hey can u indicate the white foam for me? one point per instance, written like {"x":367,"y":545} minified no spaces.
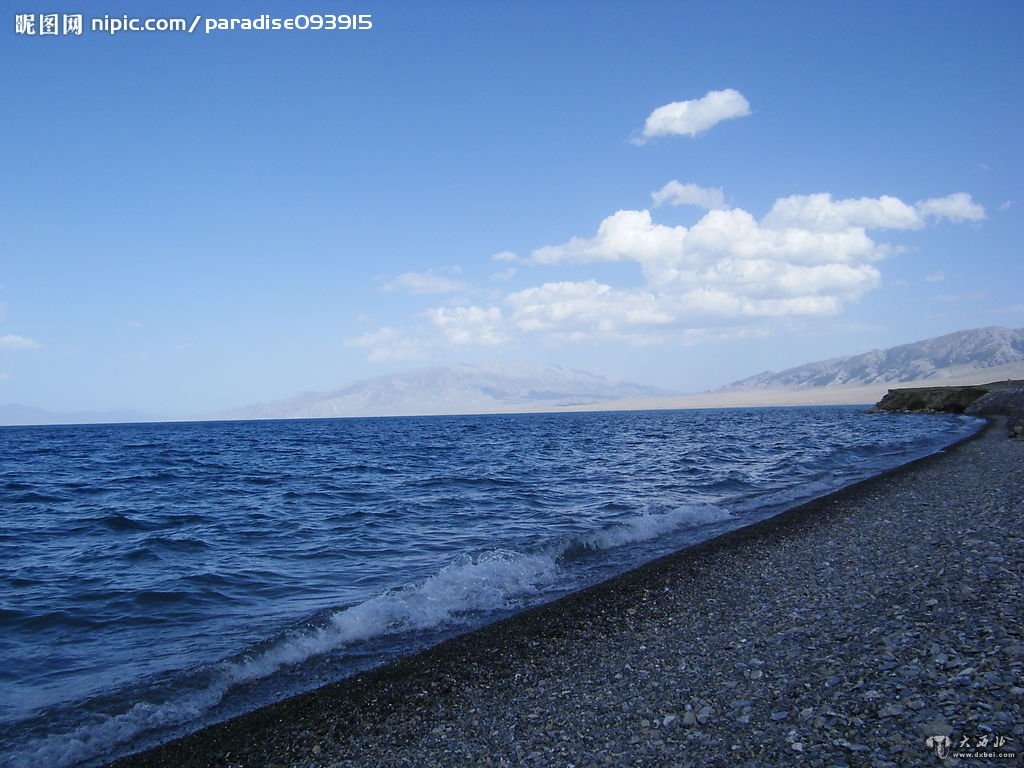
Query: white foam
{"x":488,"y":582}
{"x":646,"y":527}
{"x":92,"y":740}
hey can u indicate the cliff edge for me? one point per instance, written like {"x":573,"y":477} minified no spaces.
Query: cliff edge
{"x":1000,"y":398}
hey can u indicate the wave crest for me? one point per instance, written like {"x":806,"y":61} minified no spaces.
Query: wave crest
{"x":469,"y":586}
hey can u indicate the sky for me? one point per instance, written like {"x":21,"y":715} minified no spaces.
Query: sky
{"x":676,"y":194}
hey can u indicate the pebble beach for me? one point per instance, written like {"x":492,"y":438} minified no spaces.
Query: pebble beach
{"x":845,"y":632}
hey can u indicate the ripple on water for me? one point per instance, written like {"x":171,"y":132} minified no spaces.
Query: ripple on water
{"x":177,"y":570}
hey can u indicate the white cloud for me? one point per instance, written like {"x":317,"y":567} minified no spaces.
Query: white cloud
{"x":675,"y":193}
{"x":625,"y":235}
{"x":423,"y":283}
{"x":468,"y":325}
{"x":820,"y":213}
{"x":690,"y":118}
{"x":736,"y":234}
{"x":1006,"y":205}
{"x":585,"y":307}
{"x":134,"y":324}
{"x":956,"y":207}
{"x":389,"y":344}
{"x":446,"y":326}
{"x":670,"y":254}
{"x":935,"y":277}
{"x":578,"y":311}
{"x":11,"y":341}
{"x":505,"y":256}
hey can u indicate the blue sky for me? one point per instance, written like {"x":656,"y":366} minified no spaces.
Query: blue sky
{"x":193,"y":222}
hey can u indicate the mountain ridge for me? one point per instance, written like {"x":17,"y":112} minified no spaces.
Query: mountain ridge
{"x":941,"y":357}
{"x":447,"y":390}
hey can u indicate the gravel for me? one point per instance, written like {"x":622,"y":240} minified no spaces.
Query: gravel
{"x":842,"y":633}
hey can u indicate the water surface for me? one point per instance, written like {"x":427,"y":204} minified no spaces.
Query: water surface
{"x":159,"y":577}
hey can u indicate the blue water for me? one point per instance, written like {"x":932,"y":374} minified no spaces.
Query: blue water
{"x":159,"y":577}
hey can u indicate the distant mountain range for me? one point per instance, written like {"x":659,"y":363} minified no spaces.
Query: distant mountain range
{"x":943,"y":357}
{"x":975,"y":356}
{"x":451,"y":390}
{"x":24,"y":415}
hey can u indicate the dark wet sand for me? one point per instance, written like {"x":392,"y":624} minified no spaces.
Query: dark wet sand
{"x":840,"y":633}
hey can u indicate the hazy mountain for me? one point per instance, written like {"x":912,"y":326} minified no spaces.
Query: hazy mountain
{"x":482,"y":389}
{"x":450,"y":390}
{"x":943,"y":357}
{"x":15,"y":414}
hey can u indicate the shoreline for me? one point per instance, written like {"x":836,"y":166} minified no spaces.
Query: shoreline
{"x":432,"y":707}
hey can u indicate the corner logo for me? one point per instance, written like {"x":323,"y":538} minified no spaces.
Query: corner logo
{"x":939,"y":745}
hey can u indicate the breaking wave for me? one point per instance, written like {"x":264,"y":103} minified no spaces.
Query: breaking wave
{"x":469,"y":587}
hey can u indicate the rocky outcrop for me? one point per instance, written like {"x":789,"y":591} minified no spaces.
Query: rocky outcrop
{"x":931,"y":399}
{"x":1005,"y":401}
{"x":1000,"y":398}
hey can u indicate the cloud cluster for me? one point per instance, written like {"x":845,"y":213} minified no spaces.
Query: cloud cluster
{"x":809,"y":256}
{"x":695,"y":116}
{"x":821,"y":212}
{"x":728,"y":273}
{"x":449,"y":326}
{"x":726,"y":268}
{"x":391,"y":344}
{"x":468,"y":325}
{"x":957,"y":207}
